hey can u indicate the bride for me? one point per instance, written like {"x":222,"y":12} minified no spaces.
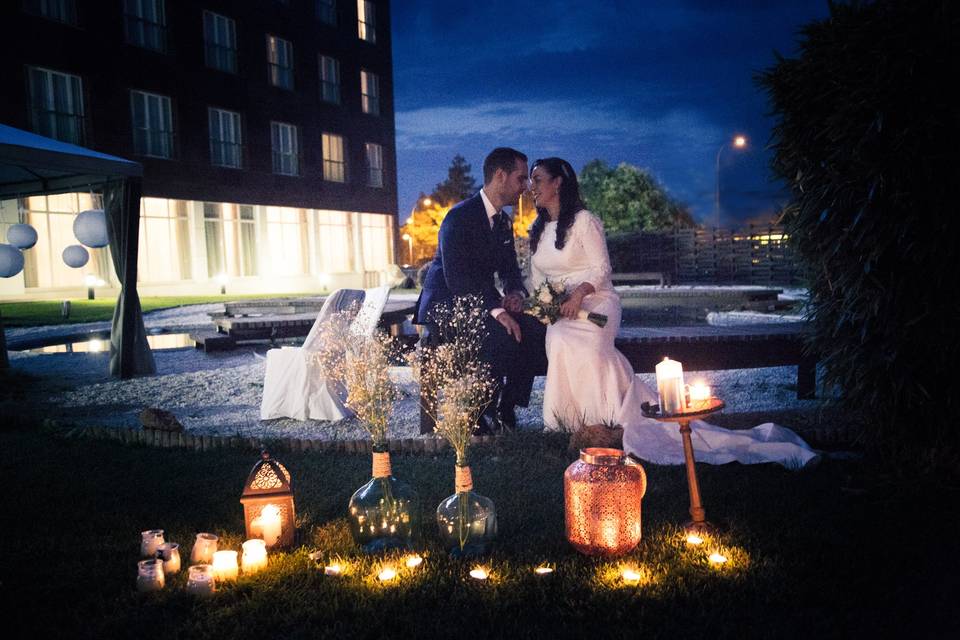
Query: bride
{"x":588,"y":380}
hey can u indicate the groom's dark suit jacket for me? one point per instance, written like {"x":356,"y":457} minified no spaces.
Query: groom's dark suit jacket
{"x":469,"y":253}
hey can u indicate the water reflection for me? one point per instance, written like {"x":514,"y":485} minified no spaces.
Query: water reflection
{"x":102,"y":345}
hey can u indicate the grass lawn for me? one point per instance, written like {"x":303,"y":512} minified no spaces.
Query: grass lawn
{"x":808,"y":558}
{"x":32,"y":313}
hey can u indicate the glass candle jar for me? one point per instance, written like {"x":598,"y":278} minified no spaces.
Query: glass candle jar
{"x":150,"y":575}
{"x":149,"y":542}
{"x":169,"y":552}
{"x":254,"y":556}
{"x":225,"y":565}
{"x":203,"y":548}
{"x":200,"y":580}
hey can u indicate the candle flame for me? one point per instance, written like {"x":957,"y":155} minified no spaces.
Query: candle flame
{"x":543,"y":570}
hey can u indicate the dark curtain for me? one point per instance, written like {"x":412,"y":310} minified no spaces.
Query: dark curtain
{"x":130,"y":354}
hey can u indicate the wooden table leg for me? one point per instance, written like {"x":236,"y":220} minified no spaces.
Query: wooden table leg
{"x":697,"y":512}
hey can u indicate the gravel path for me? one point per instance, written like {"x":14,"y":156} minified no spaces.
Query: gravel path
{"x":220,"y":393}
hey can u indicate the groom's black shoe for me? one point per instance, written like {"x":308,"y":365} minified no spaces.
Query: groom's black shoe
{"x":507,"y":417}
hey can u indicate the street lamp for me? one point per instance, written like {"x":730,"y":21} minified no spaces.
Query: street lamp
{"x":409,"y":240}
{"x":738,"y":142}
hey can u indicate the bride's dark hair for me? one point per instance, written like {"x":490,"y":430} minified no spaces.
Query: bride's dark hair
{"x":570,"y":202}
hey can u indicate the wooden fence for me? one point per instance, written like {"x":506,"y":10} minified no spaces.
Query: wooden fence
{"x":757,"y":255}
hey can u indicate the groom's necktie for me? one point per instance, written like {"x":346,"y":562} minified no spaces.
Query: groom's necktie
{"x":495,"y":220}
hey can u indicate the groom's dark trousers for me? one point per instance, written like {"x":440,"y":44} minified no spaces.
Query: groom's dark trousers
{"x":469,"y":257}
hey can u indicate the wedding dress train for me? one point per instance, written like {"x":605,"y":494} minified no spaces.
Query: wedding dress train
{"x":590,"y":382}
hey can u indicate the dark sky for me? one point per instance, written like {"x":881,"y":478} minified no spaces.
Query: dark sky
{"x":661,"y":84}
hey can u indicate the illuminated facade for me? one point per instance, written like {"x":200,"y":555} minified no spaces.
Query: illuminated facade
{"x":265,"y":129}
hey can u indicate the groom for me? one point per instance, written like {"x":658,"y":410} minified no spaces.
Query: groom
{"x":474,"y":244}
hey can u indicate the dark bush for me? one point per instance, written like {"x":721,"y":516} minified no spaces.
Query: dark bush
{"x":866,"y":138}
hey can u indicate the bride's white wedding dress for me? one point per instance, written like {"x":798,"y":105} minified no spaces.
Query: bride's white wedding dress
{"x":590,"y":382}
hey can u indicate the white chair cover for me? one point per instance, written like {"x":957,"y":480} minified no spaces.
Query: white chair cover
{"x":292,"y":386}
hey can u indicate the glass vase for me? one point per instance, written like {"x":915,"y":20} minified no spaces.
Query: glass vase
{"x":384,"y":513}
{"x":467,"y":520}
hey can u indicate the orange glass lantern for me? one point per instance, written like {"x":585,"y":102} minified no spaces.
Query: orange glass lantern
{"x":601,"y":494}
{"x":267,"y":501}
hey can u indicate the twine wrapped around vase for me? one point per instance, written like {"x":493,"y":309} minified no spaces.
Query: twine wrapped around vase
{"x":464,"y":480}
{"x":381,"y":464}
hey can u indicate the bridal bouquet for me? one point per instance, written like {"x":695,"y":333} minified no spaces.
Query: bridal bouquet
{"x":544,"y":305}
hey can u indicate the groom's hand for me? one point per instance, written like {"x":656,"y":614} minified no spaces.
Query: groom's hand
{"x":513,"y":302}
{"x":511,"y":325}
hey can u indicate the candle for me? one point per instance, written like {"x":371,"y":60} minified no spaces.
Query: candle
{"x":670,"y":386}
{"x":631,"y":575}
{"x":169,"y":552}
{"x":270,"y":524}
{"x":694,"y":539}
{"x":333,"y":570}
{"x":149,"y":541}
{"x":225,"y":565}
{"x":717,"y":558}
{"x":203,"y":548}
{"x":414,"y":561}
{"x":200,"y":580}
{"x":479,"y":574}
{"x":699,"y":394}
{"x":543,"y":570}
{"x":254,"y":556}
{"x":150,"y":575}
{"x":387,"y":574}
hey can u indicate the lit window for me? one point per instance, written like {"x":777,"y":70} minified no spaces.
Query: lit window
{"x":226,"y":144}
{"x":370,"y":92}
{"x":376,"y":237}
{"x":334,"y":160}
{"x":280,"y":62}
{"x":367,"y":20}
{"x":220,"y":42}
{"x":286,"y":238}
{"x":230,"y":237}
{"x":56,"y":104}
{"x":329,"y":80}
{"x":145,"y":23}
{"x":374,"y":165}
{"x":164,"y":253}
{"x":59,"y":10}
{"x":327,"y":11}
{"x":333,"y":242}
{"x":286,"y":149}
{"x":152,"y":124}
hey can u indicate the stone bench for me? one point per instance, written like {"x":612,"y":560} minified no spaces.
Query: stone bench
{"x":639,"y":277}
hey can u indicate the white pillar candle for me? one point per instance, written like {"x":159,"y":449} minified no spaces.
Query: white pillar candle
{"x":200,"y":580}
{"x":271,"y":524}
{"x":254,"y":556}
{"x":670,"y":386}
{"x":169,"y":552}
{"x":149,"y":542}
{"x":150,"y":575}
{"x":225,"y":565}
{"x":203,"y":548}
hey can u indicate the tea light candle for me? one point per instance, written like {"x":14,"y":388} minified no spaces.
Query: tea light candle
{"x":203,"y":548}
{"x":333,"y":570}
{"x":543,"y":570}
{"x":694,"y":539}
{"x":631,"y":575}
{"x":270,"y":524}
{"x":699,"y":393}
{"x":150,"y":575}
{"x":169,"y":552}
{"x":150,"y":541}
{"x":200,"y":580}
{"x":479,"y":574}
{"x":670,"y":386}
{"x":414,"y":562}
{"x":225,"y":565}
{"x":717,"y":558}
{"x":254,"y":556}
{"x":387,"y":574}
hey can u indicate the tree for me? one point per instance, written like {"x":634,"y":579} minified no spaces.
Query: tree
{"x":629,"y":199}
{"x":864,"y":137}
{"x":422,"y":226}
{"x":459,"y":184}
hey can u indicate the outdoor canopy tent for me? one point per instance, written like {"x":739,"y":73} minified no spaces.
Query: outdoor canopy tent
{"x":31,"y":164}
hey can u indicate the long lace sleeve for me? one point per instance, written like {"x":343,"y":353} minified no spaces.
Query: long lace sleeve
{"x":589,"y":235}
{"x":536,"y":277}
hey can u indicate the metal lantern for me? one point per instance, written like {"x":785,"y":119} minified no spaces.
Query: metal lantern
{"x":601,"y":494}
{"x":268,"y":490}
{"x":90,"y":228}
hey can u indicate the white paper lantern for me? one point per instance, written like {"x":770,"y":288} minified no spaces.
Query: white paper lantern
{"x":90,"y":227}
{"x":11,"y":261}
{"x":22,"y":236}
{"x":76,"y":256}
